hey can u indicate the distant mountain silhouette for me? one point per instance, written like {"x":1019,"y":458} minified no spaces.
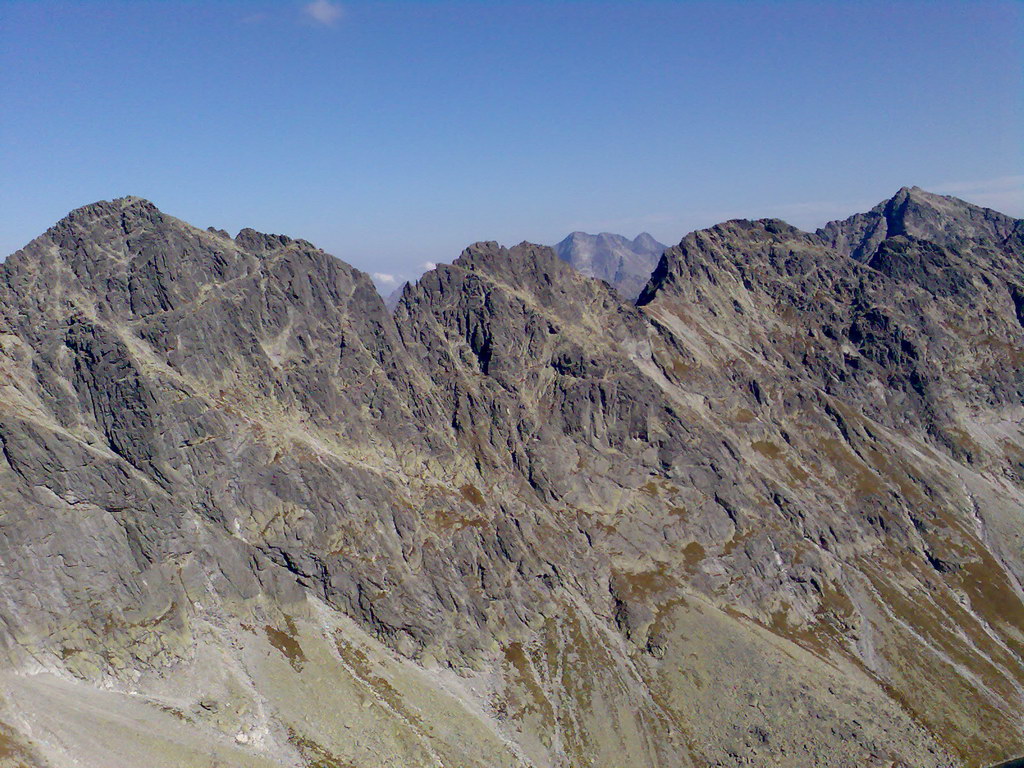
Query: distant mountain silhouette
{"x":625,"y":264}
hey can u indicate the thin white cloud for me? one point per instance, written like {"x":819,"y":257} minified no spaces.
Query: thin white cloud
{"x":428,"y":265}
{"x":324,"y":12}
{"x":384,"y":277}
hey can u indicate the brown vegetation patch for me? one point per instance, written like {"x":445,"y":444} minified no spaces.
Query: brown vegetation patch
{"x":848,"y":466}
{"x":516,"y":657}
{"x":574,"y":661}
{"x":314,"y":754}
{"x":943,"y":702}
{"x":641,"y":585}
{"x":932,"y":623}
{"x":796,"y":472}
{"x":1012,"y":451}
{"x":945,"y":699}
{"x":472,"y":494}
{"x":115,"y":623}
{"x":681,"y":369}
{"x":357,"y":661}
{"x":448,"y":520}
{"x":693,"y":553}
{"x":767,"y":448}
{"x":896,"y":472}
{"x":867,"y":484}
{"x":13,"y":750}
{"x":286,"y":643}
{"x":992,"y":596}
{"x":174,"y":712}
{"x":960,"y":439}
{"x":980,"y":576}
{"x":650,"y":488}
{"x":744,"y":416}
{"x":8,"y":747}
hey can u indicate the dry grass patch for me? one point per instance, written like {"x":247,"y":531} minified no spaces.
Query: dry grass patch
{"x":472,"y":494}
{"x":286,"y":643}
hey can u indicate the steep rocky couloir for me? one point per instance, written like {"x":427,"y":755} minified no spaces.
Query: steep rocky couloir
{"x":771,"y":514}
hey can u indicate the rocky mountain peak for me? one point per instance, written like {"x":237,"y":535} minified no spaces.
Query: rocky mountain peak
{"x":490,"y":256}
{"x":481,"y":252}
{"x":646,"y":242}
{"x":734,"y":247}
{"x":130,"y":203}
{"x":123,"y":213}
{"x":914,"y":212}
{"x":259,"y":242}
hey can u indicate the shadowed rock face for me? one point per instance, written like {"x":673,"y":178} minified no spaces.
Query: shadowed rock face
{"x":770,"y":514}
{"x":624,"y":264}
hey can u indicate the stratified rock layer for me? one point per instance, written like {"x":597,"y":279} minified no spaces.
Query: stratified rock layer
{"x":771,"y":514}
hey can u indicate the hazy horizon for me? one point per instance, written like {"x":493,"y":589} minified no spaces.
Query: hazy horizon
{"x":393,"y":135}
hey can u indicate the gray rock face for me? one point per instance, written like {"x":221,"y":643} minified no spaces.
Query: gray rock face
{"x":625,"y":264}
{"x":913,"y":212}
{"x":771,"y":514}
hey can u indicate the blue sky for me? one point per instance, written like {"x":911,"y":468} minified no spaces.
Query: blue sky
{"x":394,"y":134}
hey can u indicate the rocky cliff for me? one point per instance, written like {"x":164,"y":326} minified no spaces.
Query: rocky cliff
{"x":771,"y":514}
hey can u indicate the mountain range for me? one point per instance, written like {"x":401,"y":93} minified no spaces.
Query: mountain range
{"x":623,"y":263}
{"x":769,"y":513}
